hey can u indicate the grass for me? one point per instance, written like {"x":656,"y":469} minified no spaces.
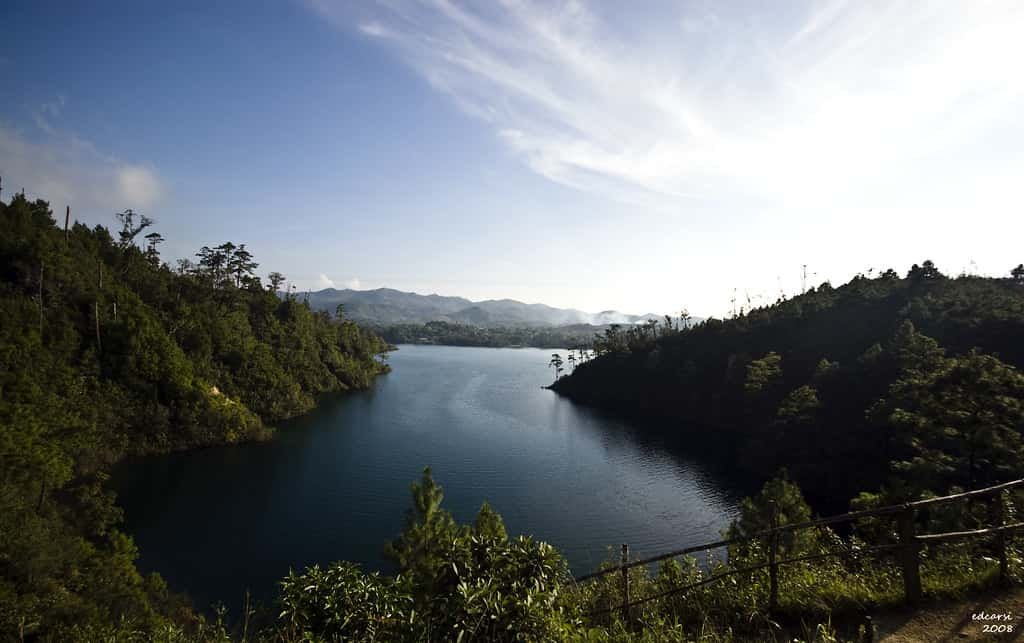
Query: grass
{"x":821,"y":600}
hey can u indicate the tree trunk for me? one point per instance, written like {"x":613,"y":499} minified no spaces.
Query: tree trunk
{"x":41,"y":266}
{"x":96,"y":312}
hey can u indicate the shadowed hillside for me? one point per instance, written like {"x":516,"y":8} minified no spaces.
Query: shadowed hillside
{"x":909,"y":382}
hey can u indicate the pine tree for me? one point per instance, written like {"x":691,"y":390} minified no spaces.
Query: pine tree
{"x":429,"y":530}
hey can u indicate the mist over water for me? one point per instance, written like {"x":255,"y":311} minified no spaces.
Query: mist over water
{"x":334,"y":484}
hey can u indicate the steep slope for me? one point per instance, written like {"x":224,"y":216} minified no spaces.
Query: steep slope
{"x":106,"y":352}
{"x":844,"y":386}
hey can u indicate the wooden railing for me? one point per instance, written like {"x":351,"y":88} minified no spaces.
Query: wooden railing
{"x":908,"y":547}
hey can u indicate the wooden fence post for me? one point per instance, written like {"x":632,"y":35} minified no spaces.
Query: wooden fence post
{"x":869,"y":630}
{"x":625,"y":582}
{"x":909,"y":557}
{"x":773,"y":550}
{"x":1000,"y":520}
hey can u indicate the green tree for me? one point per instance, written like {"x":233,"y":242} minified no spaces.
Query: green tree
{"x":241,"y":265}
{"x":418,"y":551}
{"x":763,"y":373}
{"x":1018,"y":273}
{"x":129,"y":228}
{"x":276,"y":280}
{"x":781,"y":501}
{"x":915,"y":353}
{"x":556,"y":363}
{"x":926,"y":271}
{"x":800,"y":405}
{"x":960,"y":424}
{"x":489,"y":525}
{"x":153,"y":240}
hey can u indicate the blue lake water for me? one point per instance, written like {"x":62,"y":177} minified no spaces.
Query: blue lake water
{"x":334,"y":484}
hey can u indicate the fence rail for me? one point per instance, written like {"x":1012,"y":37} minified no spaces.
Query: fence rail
{"x":908,"y":547}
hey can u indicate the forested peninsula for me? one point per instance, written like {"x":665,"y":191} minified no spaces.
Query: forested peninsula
{"x":106,"y":351}
{"x":908,"y":384}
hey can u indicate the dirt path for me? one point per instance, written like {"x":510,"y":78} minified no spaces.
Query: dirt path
{"x":957,"y":621}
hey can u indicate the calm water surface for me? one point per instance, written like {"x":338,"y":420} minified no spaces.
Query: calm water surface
{"x":335,"y":484}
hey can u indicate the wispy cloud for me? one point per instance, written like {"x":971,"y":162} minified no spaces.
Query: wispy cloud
{"x":799,"y":104}
{"x":46,"y":113}
{"x":61,"y":167}
{"x":324,"y":282}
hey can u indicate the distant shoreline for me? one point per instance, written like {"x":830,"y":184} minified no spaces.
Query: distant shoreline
{"x":517,"y":347}
{"x":440,"y":333}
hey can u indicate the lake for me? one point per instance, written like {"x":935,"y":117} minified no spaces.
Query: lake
{"x":334,"y":484}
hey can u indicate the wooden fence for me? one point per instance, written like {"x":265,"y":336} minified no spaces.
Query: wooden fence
{"x":908,"y":548}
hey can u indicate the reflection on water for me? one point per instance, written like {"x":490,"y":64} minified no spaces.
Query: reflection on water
{"x":335,"y":483}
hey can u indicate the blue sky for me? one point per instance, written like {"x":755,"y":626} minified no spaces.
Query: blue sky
{"x":640,"y":156}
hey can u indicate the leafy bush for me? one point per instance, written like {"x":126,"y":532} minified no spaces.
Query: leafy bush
{"x":459,"y":581}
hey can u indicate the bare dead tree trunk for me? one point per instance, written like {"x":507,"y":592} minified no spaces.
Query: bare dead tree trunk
{"x":96,"y":307}
{"x":67,"y":218}
{"x":41,"y":267}
{"x":96,"y":312}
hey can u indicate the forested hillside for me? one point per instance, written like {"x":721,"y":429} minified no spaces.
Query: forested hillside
{"x":390,"y":307}
{"x":449,"y":334}
{"x":908,"y":383}
{"x":106,"y":351}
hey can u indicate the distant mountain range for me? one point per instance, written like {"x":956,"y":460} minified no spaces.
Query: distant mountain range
{"x":386,"y":306}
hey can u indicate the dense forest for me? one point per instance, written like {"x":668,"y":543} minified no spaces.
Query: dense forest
{"x":451,"y":334}
{"x":909,"y":384}
{"x":106,"y":351}
{"x":893,"y":387}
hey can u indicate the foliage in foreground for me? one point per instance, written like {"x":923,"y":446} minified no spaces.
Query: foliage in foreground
{"x":473,"y":583}
{"x":464,"y":582}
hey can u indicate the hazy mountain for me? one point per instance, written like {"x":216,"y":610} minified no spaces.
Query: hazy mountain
{"x":385,"y":306}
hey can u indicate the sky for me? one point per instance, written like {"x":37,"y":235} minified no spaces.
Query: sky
{"x":645,"y":156}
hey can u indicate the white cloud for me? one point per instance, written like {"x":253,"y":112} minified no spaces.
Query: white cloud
{"x":373,"y":29}
{"x":138,"y":186}
{"x":324,"y":282}
{"x":67,"y":170}
{"x":354,"y":283}
{"x":794,"y":106}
